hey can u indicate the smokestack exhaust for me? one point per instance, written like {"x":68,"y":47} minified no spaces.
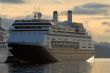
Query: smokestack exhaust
{"x":69,"y":17}
{"x":55,"y":16}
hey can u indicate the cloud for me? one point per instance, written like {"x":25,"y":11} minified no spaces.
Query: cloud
{"x":96,"y":18}
{"x":107,"y":31}
{"x":92,"y":9}
{"x":56,"y":1}
{"x":106,"y":23}
{"x":95,"y":5}
{"x":12,"y":1}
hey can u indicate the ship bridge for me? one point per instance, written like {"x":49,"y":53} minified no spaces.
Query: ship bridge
{"x":33,"y":25}
{"x":28,"y":31}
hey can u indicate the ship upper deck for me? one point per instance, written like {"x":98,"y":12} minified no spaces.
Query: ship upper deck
{"x":32,"y":22}
{"x":31,"y":25}
{"x":47,"y":25}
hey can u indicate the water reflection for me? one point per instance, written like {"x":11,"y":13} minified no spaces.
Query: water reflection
{"x":26,"y":68}
{"x":102,"y":65}
{"x":64,"y":67}
{"x":60,"y":67}
{"x":70,"y":67}
{"x":99,"y":66}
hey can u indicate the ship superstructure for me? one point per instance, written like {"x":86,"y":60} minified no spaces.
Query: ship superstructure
{"x":45,"y":41}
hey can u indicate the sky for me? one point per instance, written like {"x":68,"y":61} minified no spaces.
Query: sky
{"x":94,"y":14}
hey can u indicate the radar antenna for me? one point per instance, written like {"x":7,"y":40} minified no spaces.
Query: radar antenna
{"x":37,"y":13}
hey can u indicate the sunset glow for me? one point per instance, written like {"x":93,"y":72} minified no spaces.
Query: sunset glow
{"x":93,"y":14}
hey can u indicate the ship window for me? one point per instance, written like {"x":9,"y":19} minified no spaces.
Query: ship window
{"x":28,"y":27}
{"x":16,"y":27}
{"x":71,"y":44}
{"x":68,"y":44}
{"x":53,"y":43}
{"x":84,"y":47}
{"x":63,"y":44}
{"x":56,"y":43}
{"x":89,"y":47}
{"x":39,"y":27}
{"x":31,"y":23}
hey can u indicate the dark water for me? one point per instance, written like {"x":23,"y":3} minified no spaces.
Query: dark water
{"x":99,"y":66}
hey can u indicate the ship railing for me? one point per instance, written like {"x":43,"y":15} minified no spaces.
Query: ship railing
{"x":73,"y":30}
{"x":35,"y":28}
{"x":58,"y":29}
{"x":88,"y":33}
{"x":68,"y":31}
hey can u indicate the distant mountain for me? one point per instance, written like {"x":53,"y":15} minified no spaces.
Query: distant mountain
{"x":102,"y":50}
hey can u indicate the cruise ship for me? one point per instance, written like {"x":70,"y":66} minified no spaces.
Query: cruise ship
{"x":40,"y":40}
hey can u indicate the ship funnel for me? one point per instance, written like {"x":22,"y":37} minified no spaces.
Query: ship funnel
{"x":69,"y":17}
{"x":55,"y":16}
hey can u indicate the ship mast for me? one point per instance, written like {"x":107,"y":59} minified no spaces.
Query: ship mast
{"x":37,"y":13}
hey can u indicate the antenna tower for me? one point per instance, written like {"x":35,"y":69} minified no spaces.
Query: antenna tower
{"x":35,"y":12}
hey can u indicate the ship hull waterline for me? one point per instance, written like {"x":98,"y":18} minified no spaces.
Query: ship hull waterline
{"x":32,"y":54}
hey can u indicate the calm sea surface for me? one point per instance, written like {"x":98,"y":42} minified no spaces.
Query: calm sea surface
{"x":99,"y":66}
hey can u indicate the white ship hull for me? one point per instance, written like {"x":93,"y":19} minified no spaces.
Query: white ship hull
{"x":72,"y":55}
